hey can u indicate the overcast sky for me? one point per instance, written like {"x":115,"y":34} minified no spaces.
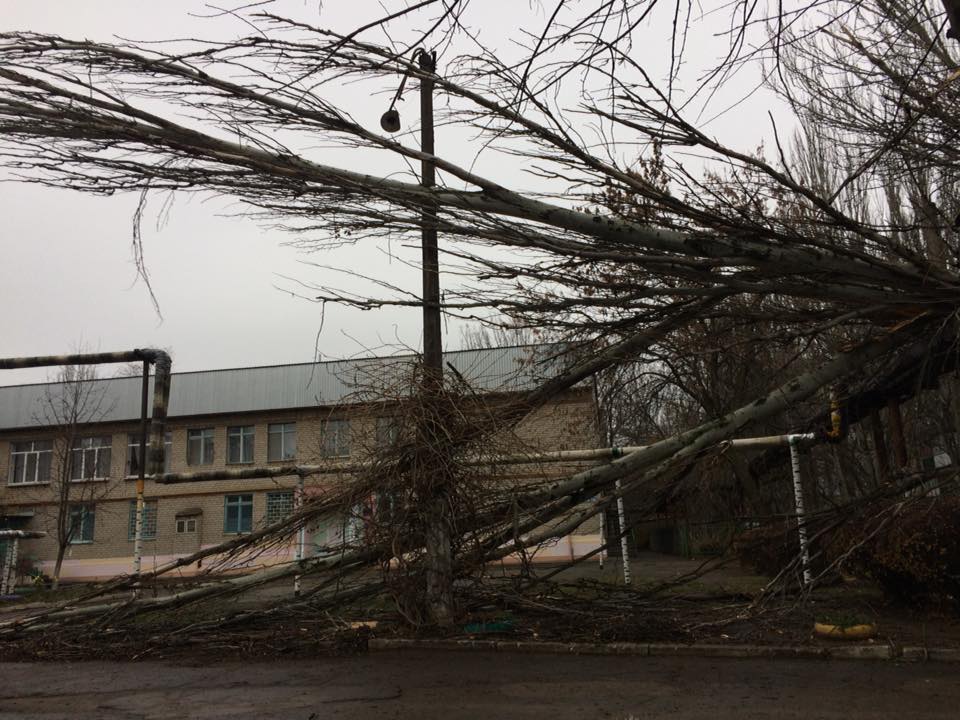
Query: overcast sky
{"x":66,"y":275}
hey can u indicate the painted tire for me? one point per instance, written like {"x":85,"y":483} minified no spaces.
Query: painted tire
{"x":845,"y":632}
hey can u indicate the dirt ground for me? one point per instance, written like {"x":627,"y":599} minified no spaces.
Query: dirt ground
{"x":453,"y":685}
{"x":719,"y":608}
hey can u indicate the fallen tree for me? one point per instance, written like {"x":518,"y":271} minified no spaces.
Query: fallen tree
{"x":841,"y":293}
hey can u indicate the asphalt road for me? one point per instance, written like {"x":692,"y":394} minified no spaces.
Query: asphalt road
{"x":453,"y":685}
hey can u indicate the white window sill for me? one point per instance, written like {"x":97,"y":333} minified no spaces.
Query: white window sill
{"x":28,"y":484}
{"x":89,"y":480}
{"x":81,"y":542}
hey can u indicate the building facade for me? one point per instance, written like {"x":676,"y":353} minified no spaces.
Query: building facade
{"x":332,"y":412}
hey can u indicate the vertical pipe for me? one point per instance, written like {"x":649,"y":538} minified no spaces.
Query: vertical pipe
{"x":301,"y":533}
{"x":603,"y":537}
{"x":7,"y":562}
{"x":793,"y":441}
{"x":12,"y":566}
{"x":624,"y":545}
{"x":158,"y":422}
{"x":141,"y":470}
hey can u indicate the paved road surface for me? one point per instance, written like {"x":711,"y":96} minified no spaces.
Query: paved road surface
{"x":454,"y":685}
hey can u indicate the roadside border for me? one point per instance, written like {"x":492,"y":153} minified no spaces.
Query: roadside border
{"x":840,"y":652}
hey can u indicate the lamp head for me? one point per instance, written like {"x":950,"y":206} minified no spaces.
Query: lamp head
{"x":390,"y":121}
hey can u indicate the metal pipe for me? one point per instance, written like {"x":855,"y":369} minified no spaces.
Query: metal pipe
{"x":136,"y":355}
{"x":8,"y":580}
{"x":624,"y":545}
{"x":603,"y":537}
{"x":141,"y":471}
{"x":794,"y":442}
{"x":161,"y":391}
{"x":301,"y":534}
{"x":8,"y":566}
{"x":161,"y":400}
{"x":22,"y":534}
{"x":559,"y":456}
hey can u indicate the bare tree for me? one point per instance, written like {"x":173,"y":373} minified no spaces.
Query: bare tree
{"x":79,"y":461}
{"x":693,"y":255}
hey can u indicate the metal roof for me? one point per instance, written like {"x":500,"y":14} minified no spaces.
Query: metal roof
{"x":281,"y":387}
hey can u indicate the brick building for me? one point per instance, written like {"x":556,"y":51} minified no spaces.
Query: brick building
{"x":331,"y":412}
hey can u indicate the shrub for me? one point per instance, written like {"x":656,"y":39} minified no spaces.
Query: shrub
{"x":914,"y":556}
{"x":768,"y":549}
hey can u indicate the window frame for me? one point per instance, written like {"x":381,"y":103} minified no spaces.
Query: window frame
{"x":240,"y":504}
{"x":33,"y":451}
{"x":275,"y":496}
{"x":203,"y":444}
{"x":79,"y":446}
{"x":86,"y":511}
{"x":133,"y":441}
{"x":343,"y":433}
{"x":284,"y":430}
{"x":240,"y":431}
{"x":150,"y":507}
{"x":186,"y":521}
{"x":387,"y":430}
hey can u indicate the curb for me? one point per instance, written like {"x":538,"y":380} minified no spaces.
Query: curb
{"x":840,"y":652}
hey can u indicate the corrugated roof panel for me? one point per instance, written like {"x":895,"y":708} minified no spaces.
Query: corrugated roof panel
{"x":280,"y":387}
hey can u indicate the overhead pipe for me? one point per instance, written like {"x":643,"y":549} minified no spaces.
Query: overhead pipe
{"x":558,"y":456}
{"x":161,"y":399}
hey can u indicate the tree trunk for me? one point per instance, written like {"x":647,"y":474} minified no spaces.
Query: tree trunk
{"x":896,"y":433}
{"x":439,"y":563}
{"x":61,"y":551}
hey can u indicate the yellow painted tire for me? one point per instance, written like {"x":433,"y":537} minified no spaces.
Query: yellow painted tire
{"x":845,"y":632}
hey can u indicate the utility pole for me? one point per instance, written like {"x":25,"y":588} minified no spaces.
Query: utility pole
{"x":439,"y":569}
{"x":432,"y":475}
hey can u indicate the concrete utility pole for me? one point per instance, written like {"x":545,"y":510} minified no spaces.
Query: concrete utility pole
{"x":439,"y":568}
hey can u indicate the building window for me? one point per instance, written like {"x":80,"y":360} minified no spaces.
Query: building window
{"x":279,"y":506}
{"x":388,"y":431}
{"x":82,"y":521}
{"x":237,"y":514}
{"x":30,"y":462}
{"x":240,"y":444}
{"x":90,"y":458}
{"x":281,"y":441}
{"x":186,"y":525}
{"x":149,"y":520}
{"x":336,"y":438}
{"x":133,"y":453}
{"x":200,"y":446}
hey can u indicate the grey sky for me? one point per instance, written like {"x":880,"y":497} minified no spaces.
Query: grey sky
{"x":67,"y":277}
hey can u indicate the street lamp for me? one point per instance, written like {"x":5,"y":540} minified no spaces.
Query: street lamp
{"x":439,"y":555}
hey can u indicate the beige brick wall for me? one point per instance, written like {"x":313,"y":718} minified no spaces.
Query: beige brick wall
{"x":566,"y":424}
